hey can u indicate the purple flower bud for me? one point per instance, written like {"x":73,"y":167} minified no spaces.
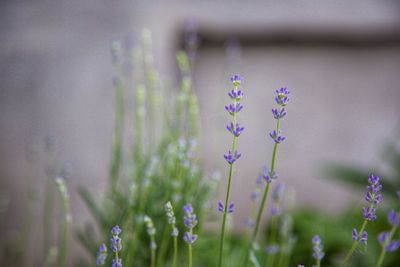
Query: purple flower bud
{"x":231,"y":207}
{"x":354,"y":234}
{"x":278,"y":113}
{"x":236,"y":131}
{"x":393,"y":245}
{"x":369,"y":213}
{"x":233,"y":108}
{"x":190,"y":219}
{"x":221,"y":206}
{"x":268,"y":176}
{"x":364,"y":237}
{"x":235,"y":94}
{"x":277,"y":137}
{"x":236,"y":80}
{"x":116,"y":230}
{"x":393,"y":217}
{"x":116,"y":263}
{"x":382,"y":237}
{"x":189,"y":238}
{"x":231,"y":158}
{"x":372,"y":197}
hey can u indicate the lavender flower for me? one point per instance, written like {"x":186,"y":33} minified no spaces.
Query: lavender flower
{"x":354,"y":234}
{"x":268,"y":176}
{"x":383,"y":237}
{"x":364,"y":237}
{"x":116,"y":263}
{"x":373,"y":197}
{"x":318,"y":253}
{"x":233,"y":108}
{"x":190,"y":219}
{"x":171,"y":218}
{"x":151,"y":230}
{"x":101,"y":254}
{"x":393,"y":245}
{"x":282,"y":99}
{"x":277,"y":137}
{"x":221,"y":207}
{"x":236,"y":80}
{"x":231,"y":158}
{"x":115,"y":240}
{"x":235,"y":94}
{"x":393,"y":218}
{"x":278,"y":113}
{"x":236,"y":131}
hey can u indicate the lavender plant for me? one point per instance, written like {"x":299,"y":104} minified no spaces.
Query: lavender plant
{"x":174,"y":231}
{"x":115,"y":245}
{"x":373,"y":198}
{"x":153,"y":246}
{"x":282,"y":99}
{"x":318,"y":252}
{"x":190,"y":221}
{"x":232,"y":156}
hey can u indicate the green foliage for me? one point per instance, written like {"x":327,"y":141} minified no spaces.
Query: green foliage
{"x":162,"y":164}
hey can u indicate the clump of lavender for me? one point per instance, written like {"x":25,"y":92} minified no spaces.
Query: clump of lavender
{"x":318,"y":252}
{"x":151,"y":230}
{"x":172,"y":221}
{"x":282,"y":100}
{"x":190,"y":221}
{"x":115,"y":245}
{"x":373,"y":198}
{"x":385,"y":238}
{"x":233,"y":155}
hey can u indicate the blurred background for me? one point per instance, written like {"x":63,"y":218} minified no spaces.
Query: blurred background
{"x":340,"y":59}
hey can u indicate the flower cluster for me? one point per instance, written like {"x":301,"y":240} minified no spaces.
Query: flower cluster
{"x":171,"y":218}
{"x":151,"y":230}
{"x":318,"y":253}
{"x":221,"y":207}
{"x":115,"y":245}
{"x":373,"y":197}
{"x":190,"y":221}
{"x":282,"y":100}
{"x":363,"y":238}
{"x":233,"y":108}
{"x":268,"y":175}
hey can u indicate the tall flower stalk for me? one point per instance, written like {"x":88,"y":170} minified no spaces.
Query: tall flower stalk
{"x":190,"y":221}
{"x":282,"y":99}
{"x":174,"y":233}
{"x":318,"y":252}
{"x":373,"y":198}
{"x":151,"y":230}
{"x":233,"y":108}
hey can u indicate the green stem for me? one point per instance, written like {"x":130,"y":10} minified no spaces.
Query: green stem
{"x":64,"y":245}
{"x":190,"y":251}
{"x":175,"y":251}
{"x":383,"y":251}
{"x":355,"y":244}
{"x":318,"y":263}
{"x":153,"y":253}
{"x":221,"y":245}
{"x":264,"y":199}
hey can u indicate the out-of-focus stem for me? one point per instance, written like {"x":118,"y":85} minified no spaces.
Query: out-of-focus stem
{"x":383,"y":251}
{"x":355,"y":244}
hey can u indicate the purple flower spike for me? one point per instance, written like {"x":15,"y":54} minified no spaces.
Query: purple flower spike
{"x":221,"y":206}
{"x":318,"y":253}
{"x":101,"y":254}
{"x":231,"y":158}
{"x":393,"y":218}
{"x":369,"y":213}
{"x":364,"y":237}
{"x":277,"y":137}
{"x":190,"y":219}
{"x":233,"y":108}
{"x":354,"y":234}
{"x":278,"y":113}
{"x":116,"y":230}
{"x":382,"y":237}
{"x":236,"y":80}
{"x":236,"y":131}
{"x":373,"y":197}
{"x":282,"y":99}
{"x":393,"y":245}
{"x":231,"y":207}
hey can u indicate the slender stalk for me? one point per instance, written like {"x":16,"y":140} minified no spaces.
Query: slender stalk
{"x":175,"y":255}
{"x":153,"y":253}
{"x":355,"y":244}
{"x":383,"y":251}
{"x":227,"y":197}
{"x":265,"y":195}
{"x":190,"y":250}
{"x":62,"y":187}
